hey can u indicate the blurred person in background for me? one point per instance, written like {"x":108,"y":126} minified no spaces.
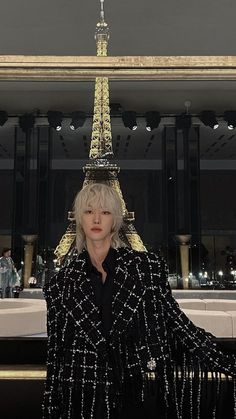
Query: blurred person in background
{"x":9,"y":278}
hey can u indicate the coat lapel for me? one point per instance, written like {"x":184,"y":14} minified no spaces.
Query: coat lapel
{"x":128,"y":290}
{"x":79,"y":301}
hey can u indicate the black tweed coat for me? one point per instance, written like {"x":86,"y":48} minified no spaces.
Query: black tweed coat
{"x":85,"y":372}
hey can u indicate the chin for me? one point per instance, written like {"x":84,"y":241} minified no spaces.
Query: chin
{"x":96,"y":238}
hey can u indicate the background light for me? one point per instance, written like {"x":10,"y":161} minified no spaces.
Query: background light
{"x":208,"y":118}
{"x":55,"y":119}
{"x":77,"y":120}
{"x":129,"y":120}
{"x":230,"y":118}
{"x":152,"y":120}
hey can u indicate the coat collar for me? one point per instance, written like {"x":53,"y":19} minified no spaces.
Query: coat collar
{"x":78,"y":296}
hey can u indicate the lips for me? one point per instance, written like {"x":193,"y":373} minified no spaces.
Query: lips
{"x":96,"y":230}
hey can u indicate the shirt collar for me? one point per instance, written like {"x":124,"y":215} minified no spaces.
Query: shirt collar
{"x":108,"y":263}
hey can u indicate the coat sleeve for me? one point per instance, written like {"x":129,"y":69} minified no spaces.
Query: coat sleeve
{"x":194,"y":339}
{"x":51,"y":400}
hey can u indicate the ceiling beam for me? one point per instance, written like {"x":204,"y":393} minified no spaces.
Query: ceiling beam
{"x":76,"y":68}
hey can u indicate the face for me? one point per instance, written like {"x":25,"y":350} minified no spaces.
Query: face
{"x":97,"y":224}
{"x":7,"y":254}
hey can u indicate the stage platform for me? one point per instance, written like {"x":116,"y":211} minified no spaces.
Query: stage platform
{"x":198,"y":293}
{"x":205,"y":294}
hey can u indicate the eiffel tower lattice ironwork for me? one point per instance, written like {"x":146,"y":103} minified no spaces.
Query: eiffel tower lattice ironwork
{"x":100,"y":168}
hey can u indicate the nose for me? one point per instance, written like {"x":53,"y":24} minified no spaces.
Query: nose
{"x":96,"y":218}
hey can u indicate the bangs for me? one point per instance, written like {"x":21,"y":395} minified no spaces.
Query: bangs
{"x":99,"y":199}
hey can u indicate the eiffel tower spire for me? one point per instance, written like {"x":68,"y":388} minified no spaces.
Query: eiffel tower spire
{"x":101,"y":142}
{"x":100,"y":168}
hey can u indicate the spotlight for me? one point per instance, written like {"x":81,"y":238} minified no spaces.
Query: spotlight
{"x":153,"y":120}
{"x":115,"y":109}
{"x":230,"y":118}
{"x":3,"y":117}
{"x":26,"y":122}
{"x":77,"y":120}
{"x":129,"y":120}
{"x":209,"y":119}
{"x":55,"y":119}
{"x":183,"y":121}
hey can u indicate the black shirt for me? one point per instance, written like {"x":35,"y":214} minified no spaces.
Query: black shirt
{"x":103,"y":291}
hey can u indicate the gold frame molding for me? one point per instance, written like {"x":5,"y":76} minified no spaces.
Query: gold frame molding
{"x":79,"y":68}
{"x":22,"y":372}
{"x":38,"y":372}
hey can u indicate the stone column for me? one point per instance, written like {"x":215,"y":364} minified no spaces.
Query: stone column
{"x":28,"y":256}
{"x":183,"y":240}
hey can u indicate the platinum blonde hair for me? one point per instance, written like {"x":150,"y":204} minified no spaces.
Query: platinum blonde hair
{"x":98,"y":195}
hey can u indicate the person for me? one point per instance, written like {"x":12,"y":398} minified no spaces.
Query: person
{"x":40,"y":271}
{"x":113,"y":324}
{"x":8,"y":274}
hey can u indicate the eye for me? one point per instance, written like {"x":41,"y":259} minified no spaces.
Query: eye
{"x":87,"y":211}
{"x":106,"y":212}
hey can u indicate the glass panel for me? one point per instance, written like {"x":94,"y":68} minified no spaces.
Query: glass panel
{"x":172,"y":187}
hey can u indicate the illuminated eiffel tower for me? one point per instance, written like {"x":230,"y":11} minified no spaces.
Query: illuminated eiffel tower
{"x":100,"y":168}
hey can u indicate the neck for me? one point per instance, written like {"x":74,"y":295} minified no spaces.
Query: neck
{"x":98,"y":251}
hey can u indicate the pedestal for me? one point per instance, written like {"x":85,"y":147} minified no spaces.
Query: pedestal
{"x":28,"y":257}
{"x":183,"y":240}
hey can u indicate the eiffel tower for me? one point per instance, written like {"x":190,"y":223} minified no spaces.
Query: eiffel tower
{"x":100,"y":168}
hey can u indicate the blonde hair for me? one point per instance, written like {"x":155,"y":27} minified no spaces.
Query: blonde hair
{"x":98,"y":195}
